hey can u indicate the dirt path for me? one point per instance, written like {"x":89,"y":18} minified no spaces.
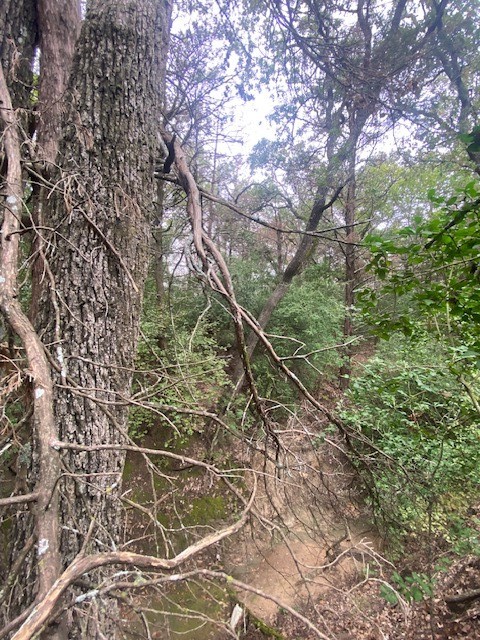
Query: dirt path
{"x":299,"y":570}
{"x":307,"y":540}
{"x":313,"y":539}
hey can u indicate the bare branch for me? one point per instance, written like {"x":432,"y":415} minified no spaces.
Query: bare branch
{"x":269,"y":225}
{"x":42,"y":612}
{"x":232,"y":582}
{"x":27,"y":497}
{"x":43,"y":418}
{"x":155,"y":452}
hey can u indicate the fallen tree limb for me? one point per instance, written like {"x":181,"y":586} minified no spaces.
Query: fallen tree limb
{"x":461,"y":601}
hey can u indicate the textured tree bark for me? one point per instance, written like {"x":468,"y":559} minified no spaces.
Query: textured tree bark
{"x":96,"y":262}
{"x":18,"y":37}
{"x":59,"y":27}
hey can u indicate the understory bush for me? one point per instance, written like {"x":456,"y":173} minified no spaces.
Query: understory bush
{"x":180,"y":373}
{"x":304,"y":330}
{"x":425,"y":432}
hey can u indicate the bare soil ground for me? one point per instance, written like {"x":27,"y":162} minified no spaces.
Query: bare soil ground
{"x":309,"y":545}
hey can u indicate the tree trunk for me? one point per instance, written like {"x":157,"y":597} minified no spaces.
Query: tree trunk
{"x":18,"y":37}
{"x":294,"y":267}
{"x":59,"y":23}
{"x":59,"y":27}
{"x":95,"y":265}
{"x":350,"y":252}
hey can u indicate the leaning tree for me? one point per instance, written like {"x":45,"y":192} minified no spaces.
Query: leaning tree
{"x":343,"y":68}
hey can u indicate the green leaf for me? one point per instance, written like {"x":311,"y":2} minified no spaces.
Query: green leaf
{"x":416,"y":594}
{"x":474,"y":147}
{"x":388,"y":594}
{"x":466,"y":138}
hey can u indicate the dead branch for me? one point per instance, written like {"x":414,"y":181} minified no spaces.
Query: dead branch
{"x":46,"y":522}
{"x":231,"y":582}
{"x":461,"y":601}
{"x":27,"y":497}
{"x":212,"y":260}
{"x":269,"y":225}
{"x":184,"y":460}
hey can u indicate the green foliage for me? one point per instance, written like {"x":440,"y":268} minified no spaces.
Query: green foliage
{"x":189,"y":301}
{"x":417,"y":400}
{"x":311,"y":312}
{"x":432,"y":264}
{"x":179,"y":367}
{"x":306,"y":322}
{"x":465,"y":536}
{"x":471,"y":140}
{"x":252,"y":279}
{"x":412,"y":408}
{"x":393,"y":192}
{"x":413,"y":588}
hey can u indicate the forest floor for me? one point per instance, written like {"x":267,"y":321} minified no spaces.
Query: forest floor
{"x":332,"y":562}
{"x":311,"y":546}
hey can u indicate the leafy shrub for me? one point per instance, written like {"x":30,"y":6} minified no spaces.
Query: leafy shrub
{"x":413,"y":408}
{"x":177,"y":367}
{"x":414,"y":588}
{"x":307,"y":321}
